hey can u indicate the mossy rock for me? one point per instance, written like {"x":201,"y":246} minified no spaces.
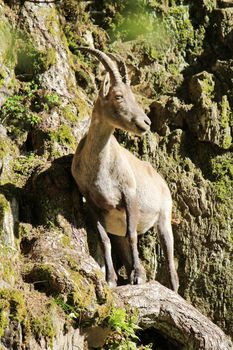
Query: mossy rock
{"x":8,"y":220}
{"x":211,"y":122}
{"x":63,"y":135}
{"x":51,"y":280}
{"x":201,"y":85}
{"x":220,"y":32}
{"x":17,"y":310}
{"x":10,"y":267}
{"x":8,"y":41}
{"x":70,"y":113}
{"x":223,"y":69}
{"x":8,"y":151}
{"x":32,"y":62}
{"x":72,"y":277}
{"x":167,"y":113}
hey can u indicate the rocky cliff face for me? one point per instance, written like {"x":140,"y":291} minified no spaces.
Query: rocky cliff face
{"x":181,"y":67}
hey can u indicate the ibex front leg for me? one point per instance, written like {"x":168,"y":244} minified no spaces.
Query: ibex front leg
{"x":138,"y":275}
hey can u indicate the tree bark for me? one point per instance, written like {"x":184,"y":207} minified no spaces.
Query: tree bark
{"x":169,"y":314}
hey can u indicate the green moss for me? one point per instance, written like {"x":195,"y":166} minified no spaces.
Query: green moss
{"x":63,"y":136}
{"x":31,"y":61}
{"x":226,"y":113}
{"x":83,"y":295}
{"x":4,"y":204}
{"x":51,"y":20}
{"x":207,"y":85}
{"x":8,"y":270}
{"x":5,"y":211}
{"x":8,"y":40}
{"x":43,"y":327}
{"x":7,"y":148}
{"x":227,"y":141}
{"x":24,"y":230}
{"x":209,"y":4}
{"x":14,"y":303}
{"x":13,"y":307}
{"x":3,"y":75}
{"x":50,"y":58}
{"x":69,"y":114}
{"x":83,"y":109}
{"x":83,"y":299}
{"x":179,"y":26}
{"x":3,"y":318}
{"x":222,"y":169}
{"x":226,"y":121}
{"x":65,"y":241}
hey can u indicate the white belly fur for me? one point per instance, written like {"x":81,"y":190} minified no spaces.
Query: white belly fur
{"x":115,"y":221}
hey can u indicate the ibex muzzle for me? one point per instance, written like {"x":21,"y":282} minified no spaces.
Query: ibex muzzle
{"x":126,"y":195}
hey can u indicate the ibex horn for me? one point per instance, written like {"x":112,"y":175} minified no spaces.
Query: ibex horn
{"x":121,"y":67}
{"x":107,"y":62}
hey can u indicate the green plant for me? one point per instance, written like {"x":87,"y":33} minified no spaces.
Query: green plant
{"x":68,"y":309}
{"x":52,"y":100}
{"x":123,"y":326}
{"x":20,"y":112}
{"x":16,"y":114}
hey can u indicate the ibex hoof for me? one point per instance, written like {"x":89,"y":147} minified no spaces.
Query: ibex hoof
{"x":112,"y":284}
{"x":138,"y":276}
{"x":112,"y":280}
{"x":175,"y":282}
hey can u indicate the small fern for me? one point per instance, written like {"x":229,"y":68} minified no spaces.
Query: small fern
{"x":123,"y":326}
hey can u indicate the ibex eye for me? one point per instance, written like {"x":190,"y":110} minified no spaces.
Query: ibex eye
{"x":119,"y":97}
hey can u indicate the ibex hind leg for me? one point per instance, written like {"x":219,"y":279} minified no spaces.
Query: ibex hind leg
{"x":111,"y":276}
{"x":167,"y":243}
{"x":123,"y":257}
{"x":122,"y":253}
{"x":110,"y":272}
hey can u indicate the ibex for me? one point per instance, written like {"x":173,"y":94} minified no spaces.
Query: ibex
{"x":126,"y":195}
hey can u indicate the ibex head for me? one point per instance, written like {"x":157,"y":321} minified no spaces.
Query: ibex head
{"x":118,"y":105}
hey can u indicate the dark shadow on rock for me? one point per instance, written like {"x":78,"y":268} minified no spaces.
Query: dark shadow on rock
{"x":160,"y":342}
{"x":51,"y":191}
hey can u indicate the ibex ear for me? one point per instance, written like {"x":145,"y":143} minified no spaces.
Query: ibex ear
{"x":105,"y":86}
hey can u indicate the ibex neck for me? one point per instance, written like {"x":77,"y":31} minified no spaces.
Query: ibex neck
{"x":99,"y":134}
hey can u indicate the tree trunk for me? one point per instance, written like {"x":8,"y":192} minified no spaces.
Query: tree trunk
{"x":173,"y":317}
